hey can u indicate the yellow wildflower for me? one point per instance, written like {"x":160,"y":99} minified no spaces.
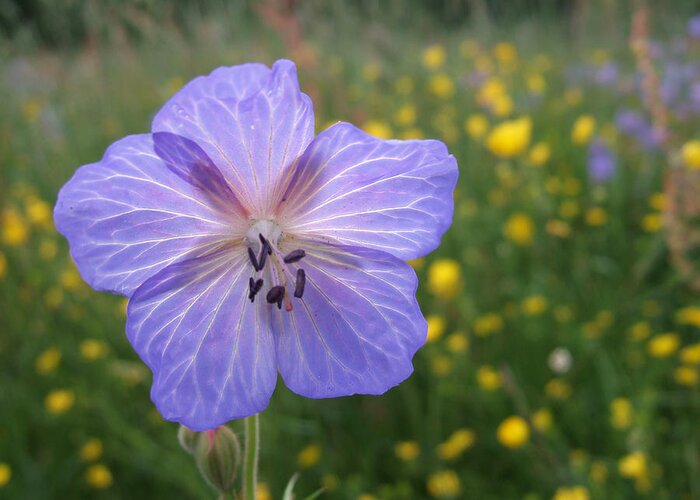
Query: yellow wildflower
{"x":539,"y":154}
{"x":686,"y":375}
{"x":458,"y":343}
{"x":502,"y":106}
{"x":92,"y":349}
{"x":690,"y":355}
{"x":59,"y":401}
{"x":3,"y":265}
{"x":663,"y":345}
{"x":441,"y":85}
{"x":444,"y":484}
{"x":48,"y":249}
{"x":691,"y":154}
{"x":571,"y":493}
{"x":48,"y":361}
{"x":91,"y":450}
{"x":583,"y":129}
{"x":513,"y":432}
{"x":445,"y":278}
{"x":652,"y":223}
{"x":434,"y":56}
{"x":557,"y":389}
{"x":510,"y":138}
{"x":569,"y":209}
{"x":633,"y":465}
{"x":487,"y":324}
{"x":309,"y":456}
{"x":505,"y":53}
{"x":596,"y":216}
{"x":262,"y":491}
{"x":371,"y":72}
{"x":558,"y":228}
{"x":534,"y":305}
{"x":476,"y":126}
{"x":621,"y":413}
{"x":542,"y":419}
{"x":599,"y":472}
{"x":639,"y":331}
{"x":689,"y":316}
{"x":441,"y":365}
{"x":460,"y":441}
{"x":5,"y":474}
{"x":14,"y":229}
{"x":436,"y":327}
{"x":520,"y":229}
{"x":536,"y":83}
{"x":417,"y":264}
{"x":657,"y":201}
{"x":488,"y":378}
{"x":405,"y":116}
{"x":378,"y":129}
{"x":98,"y":476}
{"x":407,"y":450}
{"x":39,"y":212}
{"x":70,"y":279}
{"x":492,"y":89}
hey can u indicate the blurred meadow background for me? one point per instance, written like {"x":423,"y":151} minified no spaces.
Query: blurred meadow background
{"x":564,"y":317}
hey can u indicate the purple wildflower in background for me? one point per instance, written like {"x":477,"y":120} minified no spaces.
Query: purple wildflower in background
{"x":247,"y":246}
{"x":694,"y":27}
{"x":635,"y":125}
{"x":601,"y":161}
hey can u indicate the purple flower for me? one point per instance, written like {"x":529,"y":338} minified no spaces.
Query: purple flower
{"x":601,"y":161}
{"x":247,"y":246}
{"x":694,"y":27}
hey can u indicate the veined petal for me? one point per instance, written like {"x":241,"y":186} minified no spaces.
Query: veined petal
{"x":356,"y":328}
{"x":210,"y":349}
{"x":253,"y":137}
{"x":358,"y":190}
{"x":129,"y":216}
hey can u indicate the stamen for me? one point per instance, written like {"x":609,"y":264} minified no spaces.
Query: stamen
{"x":255,"y":287}
{"x":275,"y":296}
{"x":264,"y":252}
{"x":253,"y":260}
{"x":265,"y":243}
{"x":300,"y":283}
{"x":294,"y":256}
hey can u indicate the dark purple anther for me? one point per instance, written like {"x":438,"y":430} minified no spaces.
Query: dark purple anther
{"x":294,"y":256}
{"x":255,"y":287}
{"x":265,"y":243}
{"x":301,"y":282}
{"x":275,"y":296}
{"x":253,"y":260}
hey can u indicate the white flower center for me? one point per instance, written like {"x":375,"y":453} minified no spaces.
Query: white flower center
{"x":270,"y":231}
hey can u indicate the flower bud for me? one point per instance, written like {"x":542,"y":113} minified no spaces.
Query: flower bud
{"x":187,"y":439}
{"x":217,"y":454}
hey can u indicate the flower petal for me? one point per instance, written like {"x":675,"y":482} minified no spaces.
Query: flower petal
{"x":356,"y":328}
{"x":394,"y":196}
{"x":252,"y":135}
{"x":128,"y":216}
{"x":210,"y":349}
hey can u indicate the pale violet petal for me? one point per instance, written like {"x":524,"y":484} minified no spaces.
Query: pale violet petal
{"x":356,"y":328}
{"x":129,"y":215}
{"x":355,"y":189}
{"x":253,"y":137}
{"x":210,"y":349}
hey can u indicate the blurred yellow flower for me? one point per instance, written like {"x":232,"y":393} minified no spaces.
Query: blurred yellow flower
{"x":599,"y":472}
{"x":441,"y":365}
{"x":488,"y":378}
{"x":539,"y":154}
{"x":48,"y":361}
{"x":492,"y":89}
{"x":469,"y":48}
{"x":31,"y":109}
{"x":48,"y":249}
{"x":59,"y":401}
{"x":5,"y":474}
{"x":487,"y":324}
{"x":98,"y":476}
{"x":583,"y":129}
{"x":412,"y":133}
{"x":460,"y":441}
{"x":262,"y":491}
{"x":405,"y":116}
{"x":573,"y":97}
{"x":691,"y":154}
{"x":39,"y":212}
{"x":53,"y":297}
{"x":657,"y":201}
{"x":633,"y":465}
{"x":92,"y":349}
{"x":502,"y":106}
{"x":434,"y":56}
{"x":520,"y":229}
{"x":91,"y":450}
{"x":436,"y":327}
{"x":445,"y":278}
{"x":686,"y":375}
{"x":371,"y":72}
{"x":309,"y":456}
{"x":458,"y":343}
{"x":14,"y":229}
{"x":652,"y":223}
{"x":558,"y":228}
{"x":639,"y":331}
{"x":621,"y":413}
{"x":513,"y":432}
{"x":542,"y":419}
{"x":536,"y":83}
{"x":596,"y":216}
{"x":444,"y":484}
{"x":663,"y":345}
{"x":378,"y":129}
{"x":407,"y":450}
{"x":689,"y":316}
{"x":571,"y":493}
{"x":569,"y":209}
{"x":505,"y":53}
{"x":571,"y":186}
{"x":534,"y":305}
{"x":70,"y":279}
{"x":510,"y":138}
{"x":563,"y":314}
{"x":476,"y":126}
{"x":557,"y":389}
{"x":690,"y":355}
{"x":441,"y":85}
{"x":3,"y":265}
{"x":417,"y":264}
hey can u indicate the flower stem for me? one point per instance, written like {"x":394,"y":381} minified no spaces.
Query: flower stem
{"x":252,"y":445}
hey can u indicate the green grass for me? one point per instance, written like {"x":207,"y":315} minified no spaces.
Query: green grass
{"x":62,"y":109}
